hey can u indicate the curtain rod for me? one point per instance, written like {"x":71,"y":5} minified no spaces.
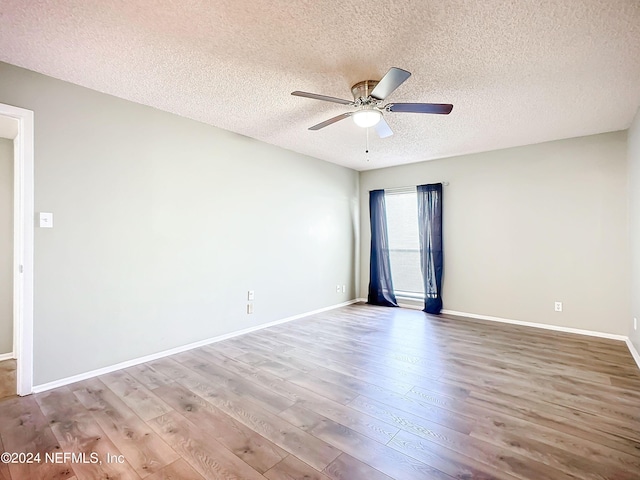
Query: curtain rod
{"x":408,"y":188}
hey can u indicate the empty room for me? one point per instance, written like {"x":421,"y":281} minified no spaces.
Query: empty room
{"x":364,"y":240}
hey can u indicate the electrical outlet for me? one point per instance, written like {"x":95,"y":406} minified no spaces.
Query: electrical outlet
{"x":558,"y":306}
{"x":338,"y":288}
{"x":249,"y":308}
{"x":250,"y":295}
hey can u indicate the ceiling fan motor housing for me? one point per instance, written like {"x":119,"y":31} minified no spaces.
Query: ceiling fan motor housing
{"x":362,"y":90}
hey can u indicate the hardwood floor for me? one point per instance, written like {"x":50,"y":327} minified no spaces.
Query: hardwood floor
{"x":356,"y":393}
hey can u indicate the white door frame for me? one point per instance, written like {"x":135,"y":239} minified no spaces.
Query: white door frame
{"x":23,"y":226}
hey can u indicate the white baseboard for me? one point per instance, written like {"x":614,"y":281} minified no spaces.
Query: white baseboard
{"x":591,"y":333}
{"x":401,"y":305}
{"x":155,"y":356}
{"x":544,"y":326}
{"x":411,"y":306}
{"x":634,"y":352}
{"x":6,"y":356}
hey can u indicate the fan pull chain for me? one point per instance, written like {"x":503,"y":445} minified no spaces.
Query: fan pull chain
{"x":367,"y":145}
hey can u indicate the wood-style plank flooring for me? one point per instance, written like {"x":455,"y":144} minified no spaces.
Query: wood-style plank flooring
{"x":7,"y":378}
{"x":359,"y":392}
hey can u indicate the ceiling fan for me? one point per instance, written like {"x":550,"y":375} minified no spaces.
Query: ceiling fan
{"x":368,"y":98}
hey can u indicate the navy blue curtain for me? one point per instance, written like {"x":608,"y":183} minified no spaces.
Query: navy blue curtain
{"x":430,"y":230}
{"x":380,"y":284}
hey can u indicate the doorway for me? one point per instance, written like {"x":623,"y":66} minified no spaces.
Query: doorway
{"x":16,"y":126}
{"x":7,"y":356}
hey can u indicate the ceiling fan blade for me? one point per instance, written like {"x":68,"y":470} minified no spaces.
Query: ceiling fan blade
{"x":440,"y":108}
{"x":383,"y":129}
{"x":392,"y":80}
{"x":325,"y":98}
{"x":330,"y":121}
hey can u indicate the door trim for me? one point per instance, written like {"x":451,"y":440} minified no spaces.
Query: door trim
{"x":23,"y":226}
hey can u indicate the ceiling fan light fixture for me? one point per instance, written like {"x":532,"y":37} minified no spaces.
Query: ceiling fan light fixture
{"x":367,"y":117}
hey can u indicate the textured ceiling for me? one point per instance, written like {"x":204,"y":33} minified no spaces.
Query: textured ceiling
{"x":517,"y":72}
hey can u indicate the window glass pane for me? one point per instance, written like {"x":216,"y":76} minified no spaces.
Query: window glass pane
{"x":404,"y":246}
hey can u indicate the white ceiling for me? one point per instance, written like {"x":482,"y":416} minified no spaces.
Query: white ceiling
{"x":517,"y":72}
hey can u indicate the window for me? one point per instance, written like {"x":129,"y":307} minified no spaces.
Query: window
{"x":404,"y":246}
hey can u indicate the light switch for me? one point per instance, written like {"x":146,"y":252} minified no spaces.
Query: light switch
{"x":46,"y":220}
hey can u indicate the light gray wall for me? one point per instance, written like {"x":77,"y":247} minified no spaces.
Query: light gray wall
{"x":525,"y":227}
{"x":6,"y":245}
{"x":634,"y":224}
{"x":162,"y":224}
